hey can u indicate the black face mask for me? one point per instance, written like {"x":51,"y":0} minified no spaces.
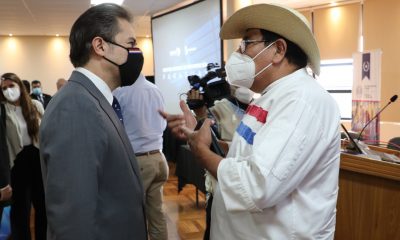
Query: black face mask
{"x":130,"y":70}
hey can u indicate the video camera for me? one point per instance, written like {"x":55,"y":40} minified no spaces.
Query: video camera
{"x":212,"y":90}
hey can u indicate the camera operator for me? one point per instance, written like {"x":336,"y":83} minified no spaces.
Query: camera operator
{"x":225,"y":103}
{"x":227,"y":112}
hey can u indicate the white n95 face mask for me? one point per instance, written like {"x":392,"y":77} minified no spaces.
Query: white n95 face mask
{"x":12,"y":94}
{"x":241,"y":69}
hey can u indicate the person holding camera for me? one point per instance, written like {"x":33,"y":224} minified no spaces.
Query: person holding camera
{"x":279,"y":179}
{"x":227,"y":114}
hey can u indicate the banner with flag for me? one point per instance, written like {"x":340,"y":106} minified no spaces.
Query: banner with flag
{"x":366,"y":94}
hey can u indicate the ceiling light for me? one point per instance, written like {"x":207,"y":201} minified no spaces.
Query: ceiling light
{"x":57,"y":35}
{"x":10,"y":34}
{"x":147,"y":36}
{"x":96,"y":2}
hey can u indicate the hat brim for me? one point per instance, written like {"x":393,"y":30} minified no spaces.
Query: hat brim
{"x":286,"y":22}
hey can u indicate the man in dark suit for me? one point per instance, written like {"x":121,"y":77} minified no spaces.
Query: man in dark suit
{"x":37,"y":93}
{"x":91,"y":177}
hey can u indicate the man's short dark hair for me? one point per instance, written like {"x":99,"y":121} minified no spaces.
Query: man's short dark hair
{"x":98,"y":21}
{"x":35,"y":82}
{"x":294,"y":54}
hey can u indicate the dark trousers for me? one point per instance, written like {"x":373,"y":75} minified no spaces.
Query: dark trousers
{"x":208,"y":218}
{"x":27,"y":185}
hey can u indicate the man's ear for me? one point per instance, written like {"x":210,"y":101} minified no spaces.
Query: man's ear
{"x":99,"y":46}
{"x":281,"y":48}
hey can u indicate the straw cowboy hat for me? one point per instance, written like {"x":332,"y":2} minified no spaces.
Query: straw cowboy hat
{"x":284,"y":21}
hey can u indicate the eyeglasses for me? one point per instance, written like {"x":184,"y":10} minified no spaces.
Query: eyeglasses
{"x":245,"y":43}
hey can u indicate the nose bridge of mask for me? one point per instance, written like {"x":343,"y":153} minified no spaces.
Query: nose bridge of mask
{"x":245,"y":58}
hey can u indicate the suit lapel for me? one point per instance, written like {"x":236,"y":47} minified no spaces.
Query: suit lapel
{"x":105,"y":105}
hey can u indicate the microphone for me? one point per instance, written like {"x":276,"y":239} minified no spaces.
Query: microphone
{"x":392,"y":99}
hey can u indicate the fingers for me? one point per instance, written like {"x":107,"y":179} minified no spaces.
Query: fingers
{"x":207,"y":123}
{"x":163,"y":114}
{"x":195,"y":94}
{"x":206,"y":126}
{"x":184,"y":107}
{"x":170,"y":117}
{"x":187,"y":131}
{"x":190,"y":94}
{"x":6,"y":193}
{"x":175,"y":122}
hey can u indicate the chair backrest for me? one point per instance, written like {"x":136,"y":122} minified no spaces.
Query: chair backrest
{"x":394,"y":143}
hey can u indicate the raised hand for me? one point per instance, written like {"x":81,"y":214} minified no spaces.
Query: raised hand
{"x":177,"y":121}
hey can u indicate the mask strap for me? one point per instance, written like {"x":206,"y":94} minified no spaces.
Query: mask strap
{"x":264,"y":50}
{"x":111,"y":61}
{"x":116,"y":44}
{"x":265,"y":68}
{"x":262,"y":70}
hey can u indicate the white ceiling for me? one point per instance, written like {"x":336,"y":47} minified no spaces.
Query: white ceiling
{"x":51,"y":17}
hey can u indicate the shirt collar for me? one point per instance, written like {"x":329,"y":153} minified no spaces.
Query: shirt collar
{"x":98,"y":82}
{"x":296,"y":73}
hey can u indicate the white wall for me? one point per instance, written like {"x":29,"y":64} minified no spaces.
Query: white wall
{"x":146,"y":45}
{"x":42,"y":58}
{"x":47,"y":58}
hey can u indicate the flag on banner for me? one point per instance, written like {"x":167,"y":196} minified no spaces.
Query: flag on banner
{"x":366,"y":93}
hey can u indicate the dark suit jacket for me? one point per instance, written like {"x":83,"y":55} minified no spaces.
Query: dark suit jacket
{"x":4,"y":157}
{"x":46,"y":99}
{"x":91,"y":178}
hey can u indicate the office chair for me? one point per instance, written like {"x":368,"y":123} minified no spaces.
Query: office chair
{"x":394,"y":143}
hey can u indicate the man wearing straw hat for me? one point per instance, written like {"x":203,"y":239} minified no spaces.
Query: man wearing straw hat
{"x":279,"y":179}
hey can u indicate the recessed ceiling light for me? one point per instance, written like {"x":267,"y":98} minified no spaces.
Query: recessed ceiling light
{"x":147,"y":36}
{"x":10,"y":34}
{"x":96,"y":2}
{"x":57,"y":35}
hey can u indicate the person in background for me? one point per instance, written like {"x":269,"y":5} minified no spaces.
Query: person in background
{"x":279,"y":179}
{"x":38,"y":94}
{"x":140,"y":103}
{"x":60,"y":83}
{"x":91,"y":176}
{"x":227,"y":114}
{"x":5,"y":187}
{"x":22,"y":133}
{"x":27,"y":86}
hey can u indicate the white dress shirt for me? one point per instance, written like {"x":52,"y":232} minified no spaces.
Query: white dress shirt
{"x":140,"y":103}
{"x":98,"y":82}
